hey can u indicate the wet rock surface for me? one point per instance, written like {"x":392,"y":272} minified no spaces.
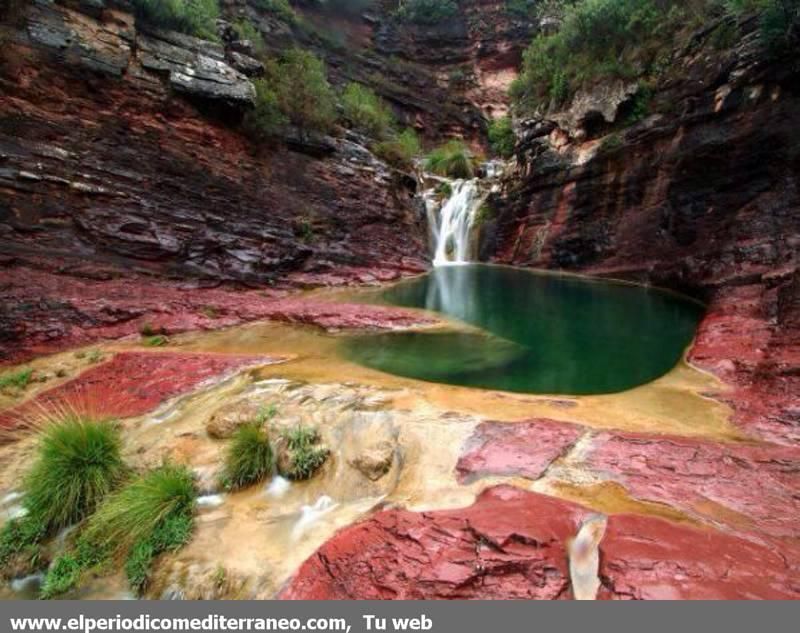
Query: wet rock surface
{"x":44,"y":312}
{"x":526,"y":449}
{"x":510,"y":544}
{"x":134,"y":383}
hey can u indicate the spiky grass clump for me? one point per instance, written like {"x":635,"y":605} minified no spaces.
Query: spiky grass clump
{"x":249,"y":457}
{"x":132,"y":514}
{"x":451,"y":159}
{"x":79,"y":462}
{"x":150,"y":515}
{"x":304,"y":453}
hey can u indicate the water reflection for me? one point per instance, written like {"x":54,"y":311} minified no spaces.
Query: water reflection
{"x":545,"y":333}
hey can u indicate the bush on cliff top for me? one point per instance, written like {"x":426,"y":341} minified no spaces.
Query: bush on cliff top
{"x":602,"y":39}
{"x":366,"y":112}
{"x":401,"y":150}
{"x":195,"y":17}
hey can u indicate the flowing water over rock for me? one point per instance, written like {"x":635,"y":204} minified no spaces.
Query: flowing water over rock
{"x":453,"y":225}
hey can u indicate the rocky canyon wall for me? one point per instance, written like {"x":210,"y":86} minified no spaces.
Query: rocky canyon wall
{"x":702,"y":195}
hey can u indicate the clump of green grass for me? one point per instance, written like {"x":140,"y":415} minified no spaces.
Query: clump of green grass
{"x":400,"y":150}
{"x":94,"y":356}
{"x":159,"y":340}
{"x":279,"y":8}
{"x":249,"y":457}
{"x":152,"y":514}
{"x":21,"y":536}
{"x":366,"y":112}
{"x":18,"y":379}
{"x":132,"y":514}
{"x":79,"y":462}
{"x":305,"y":456}
{"x":169,"y":535}
{"x":451,"y":159}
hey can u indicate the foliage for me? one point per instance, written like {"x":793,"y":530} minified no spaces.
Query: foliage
{"x":611,"y":143}
{"x":18,"y":379}
{"x":366,"y":112}
{"x":400,"y":150}
{"x":21,"y":536}
{"x":485,"y":213}
{"x":152,"y":514}
{"x":501,"y":137}
{"x":426,"y":12}
{"x":248,"y":458}
{"x":79,"y":462}
{"x":168,"y":536}
{"x":266,"y":119}
{"x":305,"y":455}
{"x":295,"y":89}
{"x":246,"y":30}
{"x":279,"y":8}
{"x":451,"y":159}
{"x":597,"y":38}
{"x":133,"y":513}
{"x":195,"y":17}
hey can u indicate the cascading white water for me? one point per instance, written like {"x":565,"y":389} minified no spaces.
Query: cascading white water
{"x":452,"y":228}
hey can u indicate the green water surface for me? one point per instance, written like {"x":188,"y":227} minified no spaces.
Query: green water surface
{"x":538,"y":333}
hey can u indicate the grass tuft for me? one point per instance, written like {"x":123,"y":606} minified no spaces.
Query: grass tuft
{"x":79,"y":462}
{"x":305,"y":456}
{"x":249,"y":457}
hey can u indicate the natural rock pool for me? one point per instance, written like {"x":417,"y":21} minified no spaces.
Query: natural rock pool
{"x":533,"y":332}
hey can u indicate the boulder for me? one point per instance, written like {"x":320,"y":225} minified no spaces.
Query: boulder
{"x":224,"y":422}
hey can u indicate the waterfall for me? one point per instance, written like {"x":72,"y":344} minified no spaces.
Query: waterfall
{"x":451,"y":230}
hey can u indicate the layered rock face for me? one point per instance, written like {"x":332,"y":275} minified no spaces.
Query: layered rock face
{"x":701,"y":196}
{"x":102,"y":158}
{"x":120,"y":153}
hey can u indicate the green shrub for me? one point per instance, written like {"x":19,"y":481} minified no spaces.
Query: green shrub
{"x":597,"y":39}
{"x":401,"y":150}
{"x":78,"y":463}
{"x":301,"y":90}
{"x":195,"y":17}
{"x":427,"y":12}
{"x":305,"y":456}
{"x":366,"y":112}
{"x":451,"y":159}
{"x":18,"y":379}
{"x":501,"y":137}
{"x":249,"y":457}
{"x":780,"y":27}
{"x":159,"y":340}
{"x":266,"y":120}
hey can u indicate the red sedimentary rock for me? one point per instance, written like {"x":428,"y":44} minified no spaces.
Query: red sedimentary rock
{"x":509,"y":544}
{"x":647,"y":558}
{"x":525,"y":449}
{"x":133,"y":383}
